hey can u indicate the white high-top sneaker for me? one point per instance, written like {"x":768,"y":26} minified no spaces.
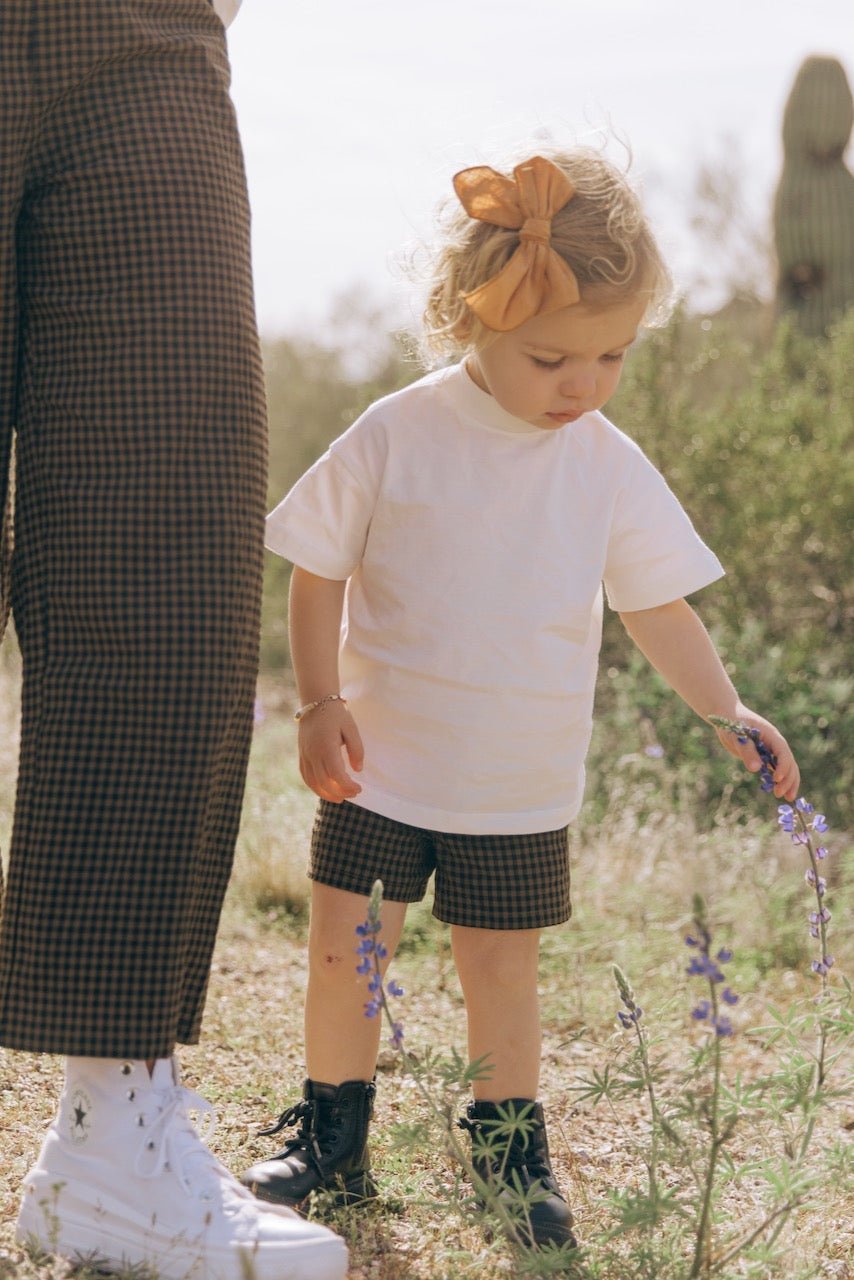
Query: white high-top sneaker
{"x":125,"y":1179}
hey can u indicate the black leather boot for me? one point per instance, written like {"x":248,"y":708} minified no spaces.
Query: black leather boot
{"x":329,"y":1151}
{"x":510,"y":1152}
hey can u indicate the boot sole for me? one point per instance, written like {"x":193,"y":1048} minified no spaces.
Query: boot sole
{"x":346,"y":1193}
{"x":107,"y":1250}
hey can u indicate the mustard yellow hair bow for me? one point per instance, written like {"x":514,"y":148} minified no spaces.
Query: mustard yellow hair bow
{"x":536,"y":280}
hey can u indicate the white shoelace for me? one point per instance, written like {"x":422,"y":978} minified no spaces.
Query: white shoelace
{"x":172,"y":1141}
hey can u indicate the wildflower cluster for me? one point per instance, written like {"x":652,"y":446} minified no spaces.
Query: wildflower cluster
{"x":371,"y":951}
{"x":766,"y":755}
{"x":635,"y":1013}
{"x":803,"y":824}
{"x":704,"y":965}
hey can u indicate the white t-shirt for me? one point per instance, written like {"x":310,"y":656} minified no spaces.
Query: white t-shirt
{"x":475,"y":545}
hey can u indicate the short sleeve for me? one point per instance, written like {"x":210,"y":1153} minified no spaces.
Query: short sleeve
{"x":322,"y":524}
{"x":227,"y":10}
{"x":654,"y":553}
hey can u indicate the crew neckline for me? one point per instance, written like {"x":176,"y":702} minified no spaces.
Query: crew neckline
{"x":483,"y":408}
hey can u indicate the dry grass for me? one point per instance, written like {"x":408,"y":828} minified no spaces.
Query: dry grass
{"x":632,"y":890}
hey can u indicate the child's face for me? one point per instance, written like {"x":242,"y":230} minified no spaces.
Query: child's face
{"x":554,"y":368}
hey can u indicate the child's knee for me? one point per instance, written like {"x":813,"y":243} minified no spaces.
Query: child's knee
{"x":505,"y":963}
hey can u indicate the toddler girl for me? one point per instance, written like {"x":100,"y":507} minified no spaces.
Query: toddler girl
{"x":463,"y":528}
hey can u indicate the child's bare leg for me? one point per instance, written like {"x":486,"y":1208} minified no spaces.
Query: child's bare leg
{"x":498,"y":971}
{"x":340,"y":1042}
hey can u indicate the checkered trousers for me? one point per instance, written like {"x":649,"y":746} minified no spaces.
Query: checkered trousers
{"x":482,"y":881}
{"x":130,"y":371}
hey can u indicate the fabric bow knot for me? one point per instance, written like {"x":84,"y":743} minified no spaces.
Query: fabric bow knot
{"x":536,"y":280}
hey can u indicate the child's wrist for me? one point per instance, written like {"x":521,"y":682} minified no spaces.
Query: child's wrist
{"x":318,"y":704}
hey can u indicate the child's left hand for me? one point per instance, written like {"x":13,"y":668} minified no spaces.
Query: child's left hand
{"x":787,"y":775}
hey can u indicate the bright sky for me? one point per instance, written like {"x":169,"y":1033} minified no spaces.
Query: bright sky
{"x":354,"y":115}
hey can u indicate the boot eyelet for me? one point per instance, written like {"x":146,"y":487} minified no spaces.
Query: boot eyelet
{"x":131,"y":1094}
{"x":140,"y":1120}
{"x":127,"y":1068}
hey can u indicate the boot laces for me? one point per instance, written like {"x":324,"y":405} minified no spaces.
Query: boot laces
{"x":509,"y":1154}
{"x":308,"y":1139}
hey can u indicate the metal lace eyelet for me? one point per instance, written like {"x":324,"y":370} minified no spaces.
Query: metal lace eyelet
{"x":131,"y":1094}
{"x":127,"y":1068}
{"x":140,"y":1120}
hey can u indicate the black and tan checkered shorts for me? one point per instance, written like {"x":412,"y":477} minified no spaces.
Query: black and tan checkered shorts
{"x":482,"y":881}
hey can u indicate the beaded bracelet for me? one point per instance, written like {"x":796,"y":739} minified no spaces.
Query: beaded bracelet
{"x":321,"y":702}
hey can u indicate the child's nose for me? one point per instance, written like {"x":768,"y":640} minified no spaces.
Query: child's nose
{"x":578,"y":383}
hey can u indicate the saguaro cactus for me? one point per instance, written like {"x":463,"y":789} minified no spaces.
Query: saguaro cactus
{"x":814,"y":203}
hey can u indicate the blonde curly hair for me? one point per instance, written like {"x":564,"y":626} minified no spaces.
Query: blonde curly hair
{"x":602,"y":233}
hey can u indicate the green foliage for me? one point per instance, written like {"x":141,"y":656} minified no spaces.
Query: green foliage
{"x":765,"y":473}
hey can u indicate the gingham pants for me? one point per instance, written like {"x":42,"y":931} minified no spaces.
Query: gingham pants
{"x":130,"y":374}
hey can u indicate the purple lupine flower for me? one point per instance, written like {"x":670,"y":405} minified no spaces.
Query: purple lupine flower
{"x":628,"y":1020}
{"x":704,"y":967}
{"x":635,"y":1012}
{"x":798,"y":822}
{"x":786,"y":817}
{"x":371,"y":951}
{"x":396,"y":1037}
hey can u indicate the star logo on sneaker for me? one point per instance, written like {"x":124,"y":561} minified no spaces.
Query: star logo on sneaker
{"x":79,"y":1122}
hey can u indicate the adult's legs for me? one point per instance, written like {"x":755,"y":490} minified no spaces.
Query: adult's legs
{"x":139,"y":510}
{"x":136,"y":578}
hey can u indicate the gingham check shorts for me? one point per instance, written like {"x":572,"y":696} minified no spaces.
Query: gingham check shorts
{"x":482,"y":881}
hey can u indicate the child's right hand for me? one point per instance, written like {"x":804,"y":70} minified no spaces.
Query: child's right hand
{"x":324,"y":736}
